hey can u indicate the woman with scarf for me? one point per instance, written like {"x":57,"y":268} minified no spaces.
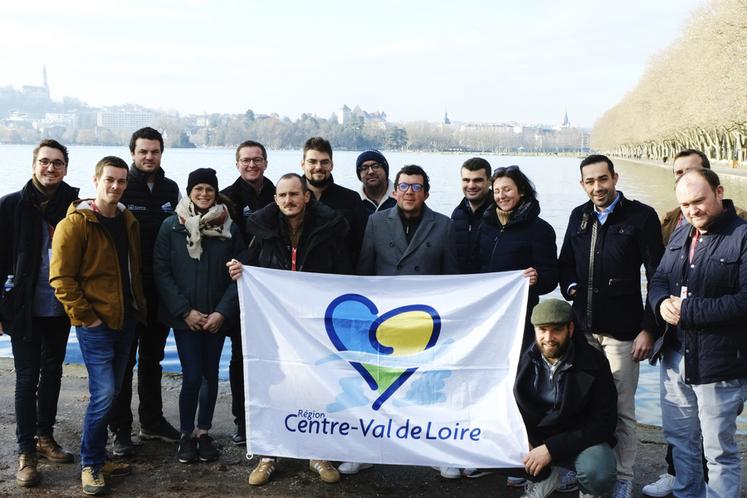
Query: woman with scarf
{"x":512,"y":236}
{"x":198,"y":300}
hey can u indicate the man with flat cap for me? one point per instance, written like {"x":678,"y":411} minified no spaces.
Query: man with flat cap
{"x":567,"y":398}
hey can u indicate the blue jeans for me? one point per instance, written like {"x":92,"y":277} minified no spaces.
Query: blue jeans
{"x":105,"y":353}
{"x":38,"y":365}
{"x":199,"y":354}
{"x":708,"y":412}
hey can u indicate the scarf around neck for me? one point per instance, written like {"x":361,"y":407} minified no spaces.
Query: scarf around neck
{"x":214,"y":223}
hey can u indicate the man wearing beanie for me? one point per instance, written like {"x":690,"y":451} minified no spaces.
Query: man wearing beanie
{"x":151,"y":197}
{"x":372,"y":169}
{"x":30,"y":313}
{"x":567,"y":398}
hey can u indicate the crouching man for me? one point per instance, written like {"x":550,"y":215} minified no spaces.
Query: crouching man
{"x":567,"y":398}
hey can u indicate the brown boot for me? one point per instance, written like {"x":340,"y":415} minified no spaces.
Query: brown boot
{"x":27,"y":474}
{"x":48,"y":448}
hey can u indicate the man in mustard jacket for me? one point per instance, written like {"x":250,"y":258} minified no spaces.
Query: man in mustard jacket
{"x":95,"y":272}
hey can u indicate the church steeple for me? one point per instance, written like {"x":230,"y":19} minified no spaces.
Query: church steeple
{"x":45,"y":82}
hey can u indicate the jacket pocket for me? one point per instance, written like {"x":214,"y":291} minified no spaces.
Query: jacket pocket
{"x":723,"y":272}
{"x":623,"y":286}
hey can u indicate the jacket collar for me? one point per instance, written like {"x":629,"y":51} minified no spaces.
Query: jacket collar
{"x":142,"y":176}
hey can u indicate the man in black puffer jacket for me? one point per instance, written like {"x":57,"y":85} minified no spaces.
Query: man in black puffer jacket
{"x":467,"y":216}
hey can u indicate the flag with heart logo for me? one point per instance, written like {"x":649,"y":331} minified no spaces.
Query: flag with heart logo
{"x":412,"y":370}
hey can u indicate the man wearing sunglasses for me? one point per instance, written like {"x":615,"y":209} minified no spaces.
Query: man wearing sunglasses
{"x":376,"y":190}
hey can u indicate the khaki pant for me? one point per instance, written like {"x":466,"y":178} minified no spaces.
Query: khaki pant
{"x":625,"y":372}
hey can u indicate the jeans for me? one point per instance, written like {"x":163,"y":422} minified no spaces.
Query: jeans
{"x":595,"y":467}
{"x":38,"y":365}
{"x":105,"y":353}
{"x":697,"y":418}
{"x":625,"y":373}
{"x":236,"y":377}
{"x":147,"y":347}
{"x":199,"y":355}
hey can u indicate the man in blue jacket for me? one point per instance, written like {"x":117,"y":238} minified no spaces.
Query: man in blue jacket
{"x":606,"y":242}
{"x":467,"y":216}
{"x":700,"y":292}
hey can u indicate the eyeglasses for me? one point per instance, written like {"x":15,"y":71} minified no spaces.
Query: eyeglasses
{"x":373,"y":167}
{"x":56,"y":164}
{"x":404,"y":187}
{"x":258,"y":161}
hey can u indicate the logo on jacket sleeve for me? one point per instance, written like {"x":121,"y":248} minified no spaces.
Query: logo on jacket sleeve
{"x":167,"y":208}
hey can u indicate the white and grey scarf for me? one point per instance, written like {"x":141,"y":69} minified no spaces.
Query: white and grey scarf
{"x":215,"y":223}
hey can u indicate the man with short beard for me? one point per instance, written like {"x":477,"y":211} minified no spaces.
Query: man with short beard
{"x":372,"y":169}
{"x":567,"y":398}
{"x":317,"y":168}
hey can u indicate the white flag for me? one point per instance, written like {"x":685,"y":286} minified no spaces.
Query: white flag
{"x":415,"y":370}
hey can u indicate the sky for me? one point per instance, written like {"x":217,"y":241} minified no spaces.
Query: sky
{"x":481,"y":61}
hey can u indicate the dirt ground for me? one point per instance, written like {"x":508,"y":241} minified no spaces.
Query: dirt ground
{"x":157,"y":473}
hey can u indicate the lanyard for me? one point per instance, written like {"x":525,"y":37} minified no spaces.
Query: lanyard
{"x":293,"y":259}
{"x":693,"y":244}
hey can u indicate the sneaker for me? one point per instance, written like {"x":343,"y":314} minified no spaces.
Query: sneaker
{"x":623,"y":489}
{"x":515,"y":482}
{"x":163,"y":430}
{"x":27,"y":475}
{"x":206,"y":448}
{"x":471,"y":473}
{"x":123,"y":446}
{"x":116,"y":469}
{"x":449,"y":472}
{"x":93,"y":481}
{"x":262,"y":472}
{"x":187,"y":452}
{"x":326,"y":471}
{"x":568,"y":483}
{"x":662,"y":487}
{"x":350,"y":468}
{"x":47,"y":447}
{"x":239,"y":436}
{"x":544,"y":488}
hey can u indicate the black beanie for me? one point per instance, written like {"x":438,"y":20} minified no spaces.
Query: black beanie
{"x":371,"y":155}
{"x":202,"y":175}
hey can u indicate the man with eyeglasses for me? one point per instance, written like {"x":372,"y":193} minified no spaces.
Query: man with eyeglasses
{"x":317,"y":168}
{"x":29,"y":312}
{"x":408,"y":239}
{"x":151,"y":198}
{"x":251,"y":191}
{"x":376,"y":192}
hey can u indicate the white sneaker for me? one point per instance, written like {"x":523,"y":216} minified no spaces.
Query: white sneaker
{"x":350,"y":468}
{"x":660,"y":488}
{"x":449,"y":472}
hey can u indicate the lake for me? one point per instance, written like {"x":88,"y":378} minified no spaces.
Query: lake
{"x":556,"y":180}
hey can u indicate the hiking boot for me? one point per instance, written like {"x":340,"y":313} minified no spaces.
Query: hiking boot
{"x":122,"y":446}
{"x":206,"y":448}
{"x":47,"y":447}
{"x":239,"y":436}
{"x":27,"y":475}
{"x":187,"y":452}
{"x":262,"y":472}
{"x":349,"y":468}
{"x":163,"y":430}
{"x":116,"y":469}
{"x":93,"y":481}
{"x":326,"y":471}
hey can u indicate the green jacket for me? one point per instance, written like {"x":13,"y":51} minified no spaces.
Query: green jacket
{"x":184,"y":283}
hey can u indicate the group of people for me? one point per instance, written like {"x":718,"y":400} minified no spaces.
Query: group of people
{"x":140,"y":259}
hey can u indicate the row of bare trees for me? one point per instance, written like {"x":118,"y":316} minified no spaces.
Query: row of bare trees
{"x":692,"y":95}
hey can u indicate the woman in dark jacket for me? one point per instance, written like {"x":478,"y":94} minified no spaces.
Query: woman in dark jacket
{"x":198,"y":298}
{"x":512,"y":236}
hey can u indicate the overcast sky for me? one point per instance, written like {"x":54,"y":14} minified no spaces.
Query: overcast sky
{"x":488,"y":61}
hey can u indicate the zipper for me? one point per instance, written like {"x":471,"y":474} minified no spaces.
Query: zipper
{"x":590,"y":280}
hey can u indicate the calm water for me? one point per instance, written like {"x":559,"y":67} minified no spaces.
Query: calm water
{"x":556,"y":180}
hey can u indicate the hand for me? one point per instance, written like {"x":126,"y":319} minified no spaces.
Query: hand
{"x":642,"y":346}
{"x":531,"y":274}
{"x":93,"y":324}
{"x":572,"y":291}
{"x":195,"y":320}
{"x":235,"y":269}
{"x":214,"y":322}
{"x":537,"y":459}
{"x":670,"y":310}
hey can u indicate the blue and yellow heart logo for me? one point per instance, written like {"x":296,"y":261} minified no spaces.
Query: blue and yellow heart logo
{"x":353,"y":324}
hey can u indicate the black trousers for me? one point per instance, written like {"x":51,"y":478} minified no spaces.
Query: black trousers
{"x":236,"y":376}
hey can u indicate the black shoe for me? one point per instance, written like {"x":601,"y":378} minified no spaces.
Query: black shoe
{"x":163,"y":430}
{"x":207,"y":450}
{"x":123,"y":446}
{"x":239,"y":437}
{"x":187,"y":452}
